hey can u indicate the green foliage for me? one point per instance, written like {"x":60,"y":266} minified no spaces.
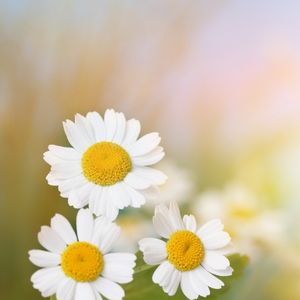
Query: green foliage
{"x":142,"y":286}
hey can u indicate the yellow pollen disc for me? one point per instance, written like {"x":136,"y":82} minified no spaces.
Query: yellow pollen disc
{"x":185,"y":250}
{"x":105,"y":163}
{"x":82,"y":261}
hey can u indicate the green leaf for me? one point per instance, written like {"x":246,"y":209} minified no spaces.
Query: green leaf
{"x":142,"y":287}
{"x":53,"y":297}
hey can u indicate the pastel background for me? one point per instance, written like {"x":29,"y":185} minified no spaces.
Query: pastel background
{"x":220,"y":81}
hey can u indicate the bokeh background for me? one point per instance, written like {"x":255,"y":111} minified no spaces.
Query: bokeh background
{"x":220,"y":81}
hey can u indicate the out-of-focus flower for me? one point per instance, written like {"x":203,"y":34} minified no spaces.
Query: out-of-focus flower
{"x":179,"y":187}
{"x":107,"y":166}
{"x":134,"y":228}
{"x":190,"y":256}
{"x":80,"y":266}
{"x":252,"y":227}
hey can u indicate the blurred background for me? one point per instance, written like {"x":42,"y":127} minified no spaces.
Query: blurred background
{"x":220,"y":81}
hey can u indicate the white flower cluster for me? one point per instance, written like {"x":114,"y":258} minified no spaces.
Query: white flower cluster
{"x":107,"y":168}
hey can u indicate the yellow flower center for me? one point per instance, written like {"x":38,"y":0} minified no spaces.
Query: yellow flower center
{"x":105,"y":163}
{"x":185,"y":250}
{"x":82,"y":261}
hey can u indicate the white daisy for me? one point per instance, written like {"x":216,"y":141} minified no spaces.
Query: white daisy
{"x":107,"y":166}
{"x":80,"y":266}
{"x":245,"y":216}
{"x":190,"y":256}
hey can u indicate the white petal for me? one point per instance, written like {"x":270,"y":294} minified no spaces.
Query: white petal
{"x":83,"y":193}
{"x":216,"y":261}
{"x":172,"y":287}
{"x":118,"y":267}
{"x":98,"y":126}
{"x":154,"y":250}
{"x":137,"y":197}
{"x":110,"y":121}
{"x":51,"y":159}
{"x":50,"y":240}
{"x":190,"y":223}
{"x":43,"y":258}
{"x":208,"y":278}
{"x":95,"y":196}
{"x":101,"y":204}
{"x":65,"y":153}
{"x":52,"y":179}
{"x":99,"y":196}
{"x":210,"y":227}
{"x":187,"y":286}
{"x":67,"y":185}
{"x":79,"y":197}
{"x":135,"y":181}
{"x":165,"y":283}
{"x":104,"y":205}
{"x":109,"y":238}
{"x":227,"y":272}
{"x":123,"y":193}
{"x":109,"y":289}
{"x":79,"y":142}
{"x":153,"y":176}
{"x":133,"y":128}
{"x":118,"y":195}
{"x":150,"y":158}
{"x":121,"y":127}
{"x":62,"y":226}
{"x":85,"y":225}
{"x":161,"y":221}
{"x":145,"y":144}
{"x":111,"y":211}
{"x":163,"y":274}
{"x":98,"y":296}
{"x":216,"y":241}
{"x":166,"y":221}
{"x":101,"y":227}
{"x":84,"y":291}
{"x":47,"y":280}
{"x":198,"y":285}
{"x":66,"y":170}
{"x":74,"y":200}
{"x":66,"y":289}
{"x":85,"y":128}
{"x":175,"y":216}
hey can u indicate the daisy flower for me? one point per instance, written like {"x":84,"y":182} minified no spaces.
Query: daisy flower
{"x":245,"y":216}
{"x":189,"y":257}
{"x":108,"y":165}
{"x":81,"y":266}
